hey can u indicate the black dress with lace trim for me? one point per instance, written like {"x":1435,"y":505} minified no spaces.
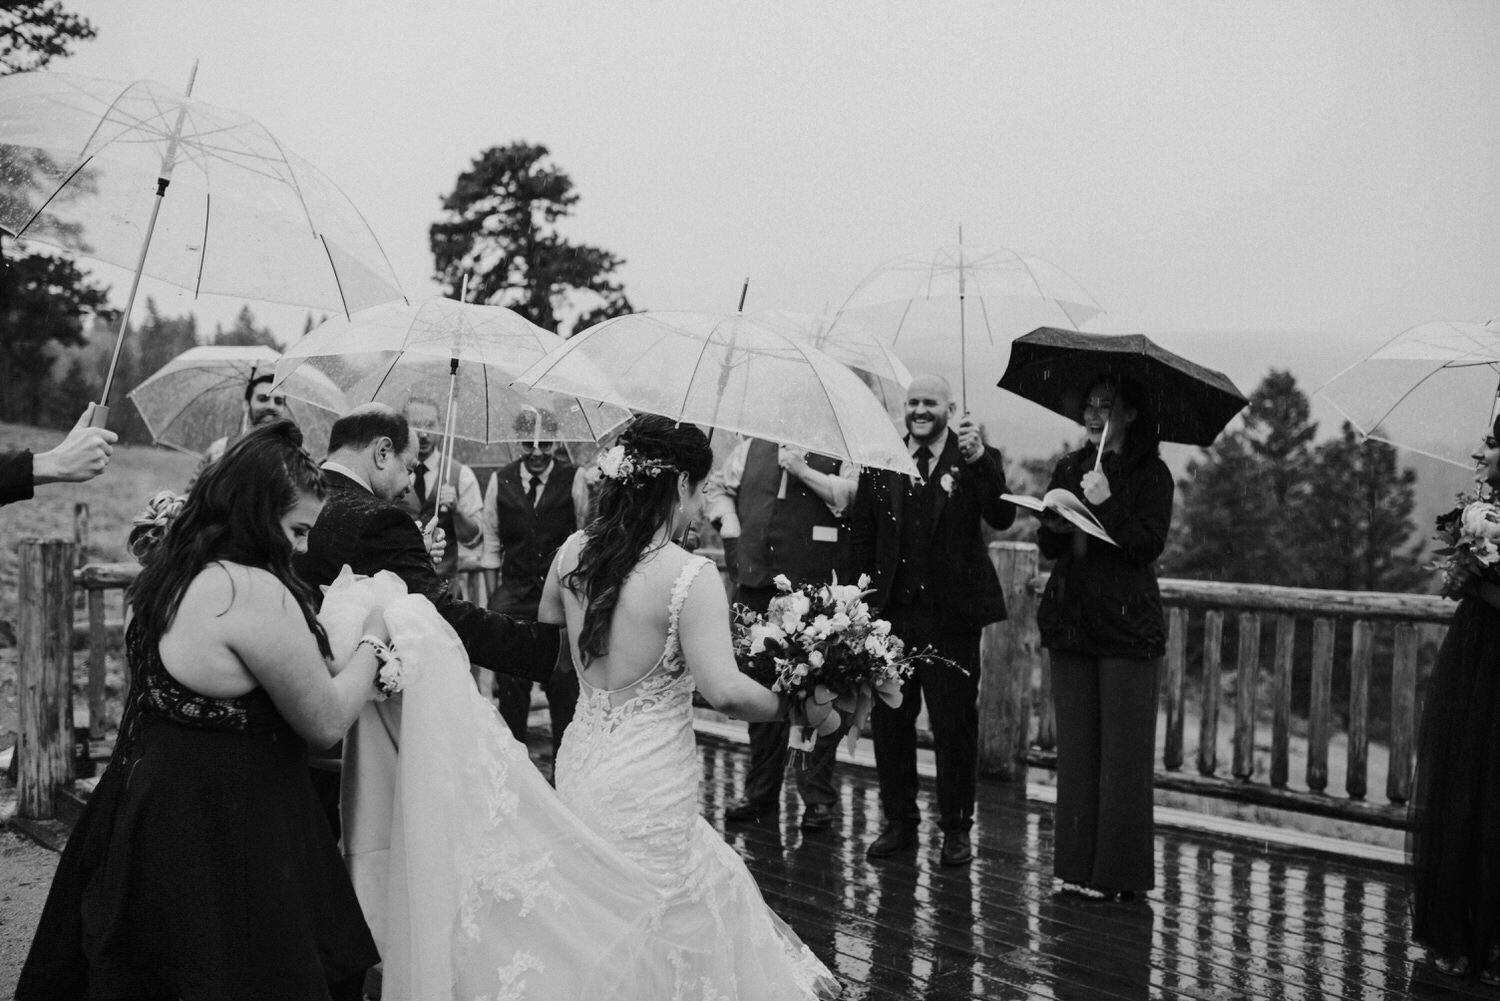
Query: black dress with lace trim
{"x":1455,"y":805}
{"x":202,"y":866}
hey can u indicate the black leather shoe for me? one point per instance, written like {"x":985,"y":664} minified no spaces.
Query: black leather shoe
{"x":956,"y":848}
{"x":817,"y":817}
{"x":748,"y":811}
{"x":894,"y":840}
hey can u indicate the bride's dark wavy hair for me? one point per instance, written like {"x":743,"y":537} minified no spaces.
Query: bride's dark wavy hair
{"x":234,"y":513}
{"x":629,"y":513}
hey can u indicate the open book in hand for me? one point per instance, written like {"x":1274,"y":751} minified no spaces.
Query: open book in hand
{"x":1066,"y":504}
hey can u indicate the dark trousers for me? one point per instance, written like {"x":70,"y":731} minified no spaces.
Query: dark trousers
{"x":768,"y":742}
{"x":513,"y":695}
{"x":1106,"y":746}
{"x":952,"y":698}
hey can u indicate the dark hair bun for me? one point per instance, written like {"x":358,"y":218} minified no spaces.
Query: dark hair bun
{"x":682,"y":446}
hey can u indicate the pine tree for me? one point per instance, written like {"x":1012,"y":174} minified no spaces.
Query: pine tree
{"x":1226,"y":524}
{"x":245,"y":332}
{"x":1264,"y":505}
{"x":499,"y":230}
{"x":1358,"y":513}
{"x":33,"y":34}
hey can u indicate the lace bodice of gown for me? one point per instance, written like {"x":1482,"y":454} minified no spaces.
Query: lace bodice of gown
{"x":629,"y":764}
{"x":156,"y":695}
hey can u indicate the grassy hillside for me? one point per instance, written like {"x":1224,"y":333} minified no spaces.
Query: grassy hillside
{"x":113,"y":499}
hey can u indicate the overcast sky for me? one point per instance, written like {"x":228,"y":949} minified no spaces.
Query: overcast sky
{"x":1253,"y":184}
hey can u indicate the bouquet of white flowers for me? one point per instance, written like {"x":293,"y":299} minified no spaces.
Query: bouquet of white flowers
{"x":819,"y":644}
{"x":1470,"y":534}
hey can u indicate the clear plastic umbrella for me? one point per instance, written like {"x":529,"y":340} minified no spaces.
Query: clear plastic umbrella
{"x":728,"y":371}
{"x":143,"y":177}
{"x":933,"y":308}
{"x":854,"y":346}
{"x":199,"y":397}
{"x":1431,"y":388}
{"x":459,"y":356}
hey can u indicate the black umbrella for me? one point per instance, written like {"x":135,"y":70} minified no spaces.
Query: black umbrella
{"x":1056,"y":368}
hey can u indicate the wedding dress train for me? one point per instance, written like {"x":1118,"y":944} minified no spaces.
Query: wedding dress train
{"x":498,"y":888}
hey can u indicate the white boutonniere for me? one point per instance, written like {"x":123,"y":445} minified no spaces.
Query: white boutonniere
{"x":949,"y":481}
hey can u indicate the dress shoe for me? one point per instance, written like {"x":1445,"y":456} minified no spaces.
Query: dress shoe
{"x":817,"y":817}
{"x":747,"y":811}
{"x":957,"y":849}
{"x":894,"y":840}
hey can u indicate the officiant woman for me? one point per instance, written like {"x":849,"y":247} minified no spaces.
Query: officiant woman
{"x":1101,"y":621}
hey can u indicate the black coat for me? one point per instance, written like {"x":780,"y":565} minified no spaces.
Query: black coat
{"x":1105,"y":603}
{"x":15,"y":476}
{"x":966,"y":587}
{"x":369,"y":534}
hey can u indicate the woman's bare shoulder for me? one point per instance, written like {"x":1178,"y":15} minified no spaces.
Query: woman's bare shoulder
{"x":235,"y":587}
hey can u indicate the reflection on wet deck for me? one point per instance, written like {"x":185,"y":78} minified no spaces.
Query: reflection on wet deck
{"x":1229,"y":919}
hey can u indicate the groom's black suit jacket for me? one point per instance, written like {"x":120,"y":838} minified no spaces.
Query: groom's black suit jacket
{"x":370,"y":535}
{"x":960,"y":577}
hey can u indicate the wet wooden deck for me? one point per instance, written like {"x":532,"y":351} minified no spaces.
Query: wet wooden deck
{"x":1230,"y":918}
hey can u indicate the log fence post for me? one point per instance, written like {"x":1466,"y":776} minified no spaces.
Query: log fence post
{"x":44,"y":674}
{"x":1010,"y":655}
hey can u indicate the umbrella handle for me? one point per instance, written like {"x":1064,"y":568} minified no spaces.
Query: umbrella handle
{"x":1103,"y":437}
{"x":446,"y":466}
{"x":98,"y":415}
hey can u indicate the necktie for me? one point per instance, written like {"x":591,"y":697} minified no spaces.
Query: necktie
{"x":531,"y":490}
{"x":420,"y":482}
{"x":924,"y":462}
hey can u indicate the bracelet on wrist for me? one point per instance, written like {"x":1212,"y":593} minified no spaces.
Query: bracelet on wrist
{"x":378,"y":646}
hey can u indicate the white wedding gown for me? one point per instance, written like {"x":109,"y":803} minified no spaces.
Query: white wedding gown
{"x":482,"y":883}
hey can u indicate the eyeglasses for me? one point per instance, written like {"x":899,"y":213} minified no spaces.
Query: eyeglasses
{"x":540,"y":446}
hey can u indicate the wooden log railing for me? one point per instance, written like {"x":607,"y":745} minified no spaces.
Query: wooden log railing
{"x":1018,"y":726}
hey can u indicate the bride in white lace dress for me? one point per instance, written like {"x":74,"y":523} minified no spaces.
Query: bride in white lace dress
{"x":496,"y":888}
{"x":647,"y":624}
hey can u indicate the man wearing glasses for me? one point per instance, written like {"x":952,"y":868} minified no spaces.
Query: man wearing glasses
{"x":531,"y":507}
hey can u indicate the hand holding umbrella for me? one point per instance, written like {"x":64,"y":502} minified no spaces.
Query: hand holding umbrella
{"x":1095,"y":483}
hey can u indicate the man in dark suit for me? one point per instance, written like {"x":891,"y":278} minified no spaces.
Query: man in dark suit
{"x":921,"y":542}
{"x":530,"y":510}
{"x":371,"y":452}
{"x":81,"y":456}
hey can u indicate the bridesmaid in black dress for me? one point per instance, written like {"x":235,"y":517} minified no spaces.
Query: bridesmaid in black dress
{"x":202,"y":867}
{"x":1455,"y":805}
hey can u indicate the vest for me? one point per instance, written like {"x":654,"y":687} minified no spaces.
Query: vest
{"x":529,"y":535}
{"x":447,"y":567}
{"x":911,"y":585}
{"x":776,"y":534}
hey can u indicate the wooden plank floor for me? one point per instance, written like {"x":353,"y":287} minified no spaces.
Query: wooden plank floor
{"x":1229,"y":918}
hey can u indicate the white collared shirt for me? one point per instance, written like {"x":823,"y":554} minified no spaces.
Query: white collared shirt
{"x":936,"y":448}
{"x":527,"y":476}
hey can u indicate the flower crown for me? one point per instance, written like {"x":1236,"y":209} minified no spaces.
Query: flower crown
{"x":149,"y":527}
{"x":624,"y":466}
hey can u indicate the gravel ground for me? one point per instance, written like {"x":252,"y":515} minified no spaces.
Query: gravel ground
{"x":25,"y":876}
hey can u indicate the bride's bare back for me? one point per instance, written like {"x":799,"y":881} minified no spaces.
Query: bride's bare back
{"x":638,"y":631}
